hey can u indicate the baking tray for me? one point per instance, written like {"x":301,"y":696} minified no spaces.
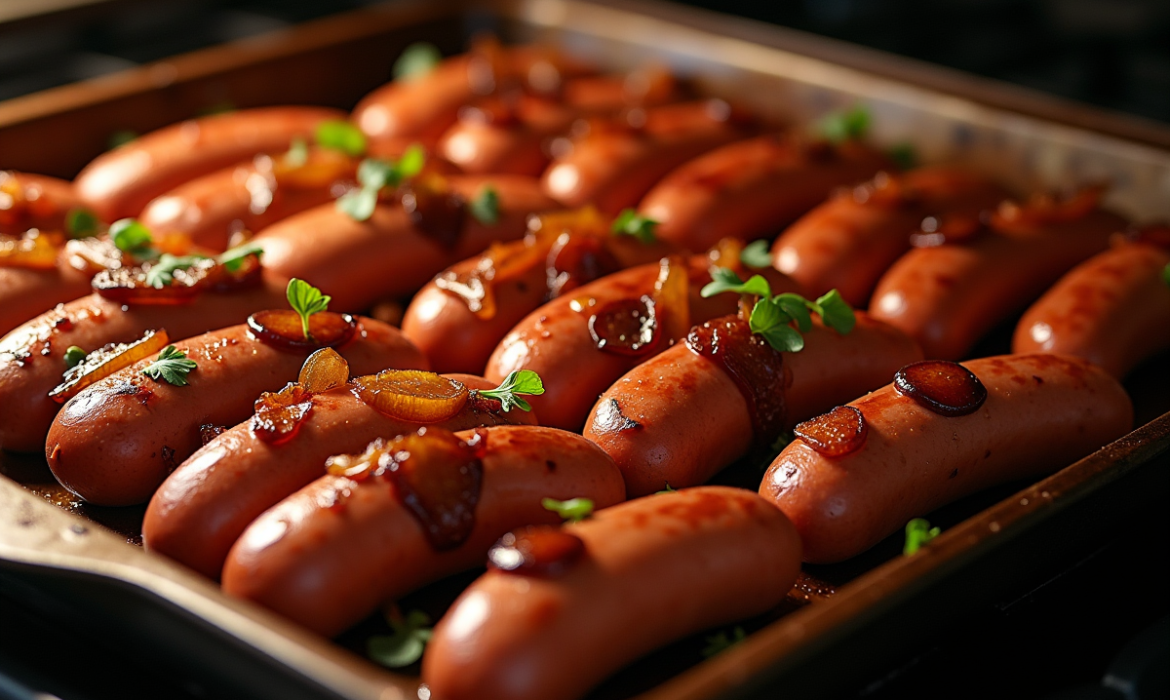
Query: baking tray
{"x":841,"y":623}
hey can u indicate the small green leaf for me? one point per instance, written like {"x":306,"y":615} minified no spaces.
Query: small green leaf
{"x":918,"y":533}
{"x":375,"y":173}
{"x":725,"y":280}
{"x":73,"y":356}
{"x":835,"y":312}
{"x":161,"y":273}
{"x":631,"y":223}
{"x":233,"y":258}
{"x":340,"y":135}
{"x":417,"y":60}
{"x":796,"y":308}
{"x":518,"y":382}
{"x":572,"y":510}
{"x":358,"y":205}
{"x":845,"y":125}
{"x":171,"y":366}
{"x":668,"y":489}
{"x":81,"y":223}
{"x":306,"y":300}
{"x":757,"y":254}
{"x":771,"y":323}
{"x":121,"y":138}
{"x":904,"y":156}
{"x":297,"y":154}
{"x":722,"y":642}
{"x":129,"y":236}
{"x":405,"y":644}
{"x":486,"y":206}
{"x":411,"y":163}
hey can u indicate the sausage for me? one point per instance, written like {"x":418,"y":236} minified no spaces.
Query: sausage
{"x":205,"y":504}
{"x":495,"y":136}
{"x":648,"y":86}
{"x":344,"y":546}
{"x":612,"y":167}
{"x":679,"y":418}
{"x":359,"y":262}
{"x":948,"y":296}
{"x":1042,"y":412}
{"x":116,"y":441}
{"x":244,"y":197}
{"x":121,"y":182}
{"x":25,"y":293}
{"x":555,"y":341}
{"x":653,"y":570}
{"x":1113,"y":309}
{"x":32,"y":357}
{"x":752,"y":188}
{"x":34,"y":201}
{"x":846,"y":244}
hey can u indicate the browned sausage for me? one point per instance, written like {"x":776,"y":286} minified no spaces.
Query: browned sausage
{"x":330,"y":553}
{"x":34,"y":201}
{"x":501,"y":136}
{"x":651,"y":571}
{"x":1042,"y":412}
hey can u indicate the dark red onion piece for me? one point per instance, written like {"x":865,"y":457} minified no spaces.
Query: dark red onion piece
{"x":836,"y":433}
{"x":625,"y":327}
{"x":947,"y":388}
{"x":543,"y":551}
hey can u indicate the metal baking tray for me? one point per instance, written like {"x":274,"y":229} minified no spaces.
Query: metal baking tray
{"x":842,"y":622}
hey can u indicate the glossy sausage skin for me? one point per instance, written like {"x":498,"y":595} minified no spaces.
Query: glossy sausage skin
{"x":846,"y":245}
{"x":508,"y":636}
{"x":491,"y":137}
{"x":328,"y":567}
{"x":752,"y":188}
{"x":121,"y":182}
{"x":679,"y":419}
{"x":947,"y":297}
{"x":32,"y":357}
{"x":204,"y":505}
{"x":359,"y":262}
{"x":1042,"y":413}
{"x":116,"y":441}
{"x":613,"y":169}
{"x":1113,"y":309}
{"x":554,"y":340}
{"x":38,"y":201}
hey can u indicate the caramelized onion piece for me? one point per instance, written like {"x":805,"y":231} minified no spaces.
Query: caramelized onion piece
{"x":836,"y":433}
{"x":1048,"y":208}
{"x":35,"y":250}
{"x":279,"y":415}
{"x":13,"y":206}
{"x":438,"y":478}
{"x":672,"y":302}
{"x":434,"y":208}
{"x":577,"y":259}
{"x":946,"y":388}
{"x":282,"y":329}
{"x":501,"y":263}
{"x":323,"y":370}
{"x":130,"y":285}
{"x":93,"y":254}
{"x":412,"y":395}
{"x":322,"y":168}
{"x":586,"y":220}
{"x":543,"y":551}
{"x":726,"y":253}
{"x":625,"y":327}
{"x":106,"y":360}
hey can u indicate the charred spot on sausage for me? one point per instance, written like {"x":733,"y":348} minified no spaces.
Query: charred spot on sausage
{"x":610,"y":418}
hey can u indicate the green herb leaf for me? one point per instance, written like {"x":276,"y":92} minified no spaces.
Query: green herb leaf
{"x":668,"y":489}
{"x":486,"y":206}
{"x":631,"y":223}
{"x":341,"y":136}
{"x":757,"y":254}
{"x":518,"y":382}
{"x":129,"y":236}
{"x":405,"y":644}
{"x":373,"y":175}
{"x":572,"y":510}
{"x":161,"y":273}
{"x":725,"y":280}
{"x":904,"y":156}
{"x":121,"y":138}
{"x":358,"y":204}
{"x":81,"y":223}
{"x":411,"y":163}
{"x":233,"y":258}
{"x":416,"y":61}
{"x":306,"y":300}
{"x":918,"y":533}
{"x":722,"y":642}
{"x":171,"y":366}
{"x":73,"y":356}
{"x":770,"y":322}
{"x":796,"y":308}
{"x":845,"y":125}
{"x":297,"y":154}
{"x":835,"y":312}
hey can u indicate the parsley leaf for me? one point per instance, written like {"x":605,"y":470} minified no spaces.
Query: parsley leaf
{"x":162,"y":272}
{"x":411,"y":163}
{"x":172,"y":366}
{"x":233,"y":258}
{"x":74,"y":355}
{"x":756,"y":254}
{"x":340,"y":135}
{"x":373,"y":175}
{"x":81,"y":223}
{"x":486,"y":206}
{"x":416,"y":61}
{"x":918,"y":533}
{"x":722,"y":642}
{"x":129,"y":236}
{"x":725,"y":280}
{"x":405,"y":644}
{"x":573,"y":510}
{"x":306,"y":300}
{"x":835,"y":312}
{"x":297,"y":154}
{"x":845,"y":125}
{"x":631,"y":223}
{"x":769,"y":321}
{"x":523,"y":381}
{"x":796,"y":308}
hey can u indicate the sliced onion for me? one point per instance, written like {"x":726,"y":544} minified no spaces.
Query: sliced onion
{"x":323,"y":370}
{"x":412,"y":395}
{"x":282,"y":328}
{"x":104,"y":361}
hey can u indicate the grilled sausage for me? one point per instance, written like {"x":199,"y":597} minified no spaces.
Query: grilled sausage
{"x":496,"y":136}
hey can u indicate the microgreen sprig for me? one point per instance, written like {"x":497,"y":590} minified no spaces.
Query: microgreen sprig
{"x":162,"y":272}
{"x":572,"y":511}
{"x":416,"y":60}
{"x":340,"y":135}
{"x":523,"y":381}
{"x":756,"y":254}
{"x":129,"y":236}
{"x":631,"y":223}
{"x":845,"y":125}
{"x":172,"y":366}
{"x":486,"y":206}
{"x":81,"y":223}
{"x":297,"y":153}
{"x":918,"y":533}
{"x":405,"y":645}
{"x":233,"y":258}
{"x":306,"y":300}
{"x":373,"y":175}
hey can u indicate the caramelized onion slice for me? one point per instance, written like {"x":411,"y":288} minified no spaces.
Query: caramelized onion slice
{"x":672,"y":299}
{"x":434,"y":208}
{"x":576,"y":259}
{"x":946,"y":388}
{"x":93,"y":254}
{"x":322,"y":168}
{"x":132,"y":285}
{"x":625,"y":327}
{"x":836,"y":433}
{"x":542,"y":551}
{"x":279,"y":415}
{"x":35,"y":250}
{"x":412,"y":395}
{"x":106,"y":360}
{"x":323,"y":370}
{"x":1048,"y":208}
{"x":282,"y":329}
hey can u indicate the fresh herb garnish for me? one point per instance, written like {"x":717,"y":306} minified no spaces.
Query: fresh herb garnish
{"x":416,"y":60}
{"x":81,"y":223}
{"x":668,"y":489}
{"x":845,"y":125}
{"x":757,"y":254}
{"x":904,"y":156}
{"x":171,"y":366}
{"x":306,"y":300}
{"x":341,"y":136}
{"x":74,"y":356}
{"x":918,"y":533}
{"x":486,"y":206}
{"x":405,"y":644}
{"x":233,"y":258}
{"x":722,"y":642}
{"x":523,"y":381}
{"x":572,"y":511}
{"x":162,"y":272}
{"x":725,"y":280}
{"x":630,"y":223}
{"x":131,"y":237}
{"x":374,"y":174}
{"x":297,"y":154}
